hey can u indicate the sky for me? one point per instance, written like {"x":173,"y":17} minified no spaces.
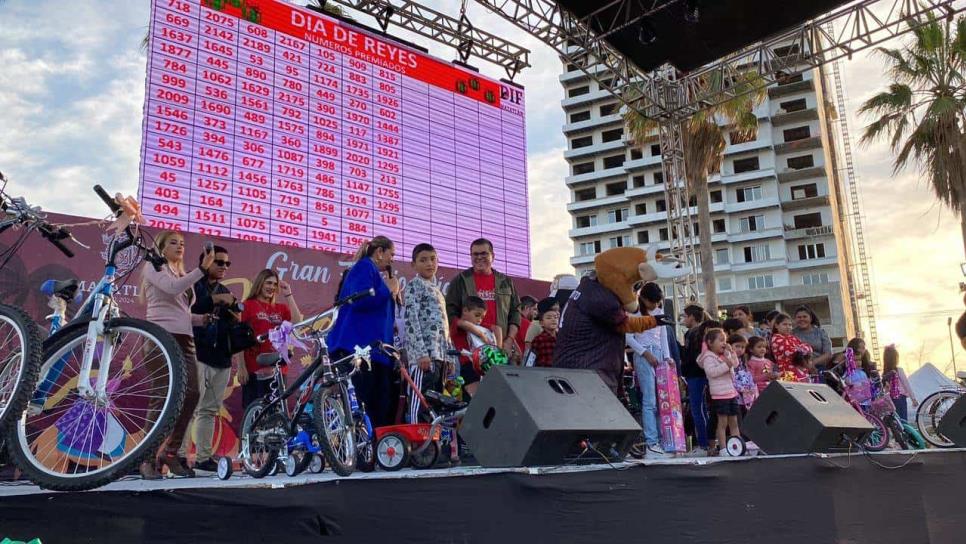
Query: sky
{"x":72,"y":91}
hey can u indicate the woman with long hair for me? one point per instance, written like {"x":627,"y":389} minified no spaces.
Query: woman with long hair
{"x":809,"y":330}
{"x":168,"y":293}
{"x":895,"y":379}
{"x":367,"y":320}
{"x":262,"y":313}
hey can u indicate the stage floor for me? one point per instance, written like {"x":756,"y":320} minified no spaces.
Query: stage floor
{"x":889,"y":497}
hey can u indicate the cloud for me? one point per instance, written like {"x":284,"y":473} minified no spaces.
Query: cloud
{"x":550,"y":246}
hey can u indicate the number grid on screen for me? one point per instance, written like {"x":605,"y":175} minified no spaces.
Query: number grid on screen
{"x":267,"y":122}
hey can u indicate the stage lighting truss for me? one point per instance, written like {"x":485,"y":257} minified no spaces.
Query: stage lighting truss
{"x":458,"y":33}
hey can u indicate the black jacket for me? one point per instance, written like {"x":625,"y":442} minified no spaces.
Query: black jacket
{"x":211,"y":341}
{"x":689,"y":353}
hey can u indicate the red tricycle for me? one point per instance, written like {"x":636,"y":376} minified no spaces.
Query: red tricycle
{"x":416,"y":443}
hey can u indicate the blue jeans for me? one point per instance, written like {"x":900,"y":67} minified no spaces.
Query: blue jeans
{"x":699,"y":410}
{"x":902,"y":407}
{"x":646,"y":381}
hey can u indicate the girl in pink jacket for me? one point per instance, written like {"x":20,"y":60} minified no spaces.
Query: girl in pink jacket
{"x":719,"y":361}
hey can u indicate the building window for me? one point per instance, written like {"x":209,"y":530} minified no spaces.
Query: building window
{"x":658,"y":178}
{"x":695,"y":229}
{"x":761,"y":282}
{"x":802,"y":161}
{"x":752,"y":223}
{"x":738,"y":137}
{"x":746,"y":165}
{"x":583,"y":168}
{"x":590,"y":248}
{"x":584,"y":221}
{"x":718,"y":226}
{"x":608,"y":109}
{"x":620,"y":241}
{"x":612,"y":135}
{"x":577,"y":91}
{"x":580,"y":116}
{"x":811,"y":251}
{"x":804,"y":191}
{"x":757,"y":254}
{"x":798,"y":133}
{"x":662,"y":233}
{"x":661,"y":205}
{"x":584,"y":141}
{"x":571,"y":67}
{"x":817,"y":278}
{"x":793,"y":105}
{"x":640,"y":209}
{"x":724,"y":284}
{"x":636,"y":154}
{"x":748,"y":194}
{"x":637,"y":181}
{"x":605,"y":84}
{"x":808,"y":220}
{"x":584,"y":195}
{"x":716,"y":197}
{"x":615,"y":189}
{"x":643,"y":237}
{"x":614,"y":161}
{"x":616,"y":216}
{"x":722,"y":256}
{"x":789,"y":79}
{"x":787,"y":50}
{"x":655,"y":150}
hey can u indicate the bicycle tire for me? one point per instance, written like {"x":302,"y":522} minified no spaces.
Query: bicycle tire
{"x":913,"y":437}
{"x":30,"y":350}
{"x":257,"y":471}
{"x":928,"y":417}
{"x":898,"y":433}
{"x":44,"y":476}
{"x":365,"y":449}
{"x":334,"y":427}
{"x":879,"y":439}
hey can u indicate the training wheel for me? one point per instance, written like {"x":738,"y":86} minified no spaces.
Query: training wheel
{"x":735,"y":446}
{"x":392,"y":452}
{"x":291,"y":466}
{"x":317,"y":465}
{"x":225,"y":468}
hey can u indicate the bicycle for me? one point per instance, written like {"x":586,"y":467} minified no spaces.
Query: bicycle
{"x":21,"y":347}
{"x":878,"y":440}
{"x":89,"y":425}
{"x":905,"y":435}
{"x":270,"y":430}
{"x":934,"y":407}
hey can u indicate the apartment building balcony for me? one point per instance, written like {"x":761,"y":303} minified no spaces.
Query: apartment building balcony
{"x":809,"y":232}
{"x":588,"y":98}
{"x":810,"y":202}
{"x":596,"y":203}
{"x":596,"y":230}
{"x":642,"y":163}
{"x":596,"y":175}
{"x":644,"y":190}
{"x":582,"y":259}
{"x":759,"y":265}
{"x":574,"y":76}
{"x":762,"y":142}
{"x":760,"y":234}
{"x":593,"y":149}
{"x":762,"y":173}
{"x":814,"y":263}
{"x":813,"y":142}
{"x":796,"y":174}
{"x":791,"y":88}
{"x":592,"y":123}
{"x":648,"y":219}
{"x":781,"y":117}
{"x":762,"y":203}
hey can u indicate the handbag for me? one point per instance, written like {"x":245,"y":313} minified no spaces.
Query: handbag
{"x":241,"y":336}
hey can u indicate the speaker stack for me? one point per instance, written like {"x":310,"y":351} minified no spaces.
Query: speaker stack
{"x":953,"y":423}
{"x":804,"y":418}
{"x":542,"y":416}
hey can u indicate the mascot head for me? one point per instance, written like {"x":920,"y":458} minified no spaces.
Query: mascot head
{"x":624,"y":270}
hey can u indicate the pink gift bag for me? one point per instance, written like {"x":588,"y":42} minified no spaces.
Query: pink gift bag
{"x":670,"y":417}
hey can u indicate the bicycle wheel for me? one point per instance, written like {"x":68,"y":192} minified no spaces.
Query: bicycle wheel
{"x":261,"y":442}
{"x":879,"y":439}
{"x":913,"y":438}
{"x":931,"y":412}
{"x":333,"y":424}
{"x":366,"y":456}
{"x":75,"y":442}
{"x":20,"y":358}
{"x":898,"y":433}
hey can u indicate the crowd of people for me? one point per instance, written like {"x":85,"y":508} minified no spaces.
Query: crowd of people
{"x":723,"y":365}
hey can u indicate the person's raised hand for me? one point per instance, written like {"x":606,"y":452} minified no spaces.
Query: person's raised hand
{"x":285,"y":288}
{"x":208,"y":259}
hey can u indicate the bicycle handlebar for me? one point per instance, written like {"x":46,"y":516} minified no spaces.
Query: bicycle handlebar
{"x":54,"y":236}
{"x":355,"y":296}
{"x":115,"y":208}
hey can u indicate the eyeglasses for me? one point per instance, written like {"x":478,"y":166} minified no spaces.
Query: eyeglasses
{"x":226,"y":264}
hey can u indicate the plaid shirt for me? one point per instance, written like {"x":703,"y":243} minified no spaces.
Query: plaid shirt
{"x":542,"y":346}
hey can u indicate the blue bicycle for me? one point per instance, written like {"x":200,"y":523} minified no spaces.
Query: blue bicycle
{"x":110,"y":390}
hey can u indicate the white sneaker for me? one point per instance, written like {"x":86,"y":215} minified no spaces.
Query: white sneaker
{"x":698,"y":452}
{"x":656,"y":452}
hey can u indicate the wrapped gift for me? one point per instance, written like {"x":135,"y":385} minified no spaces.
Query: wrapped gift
{"x":670,"y":417}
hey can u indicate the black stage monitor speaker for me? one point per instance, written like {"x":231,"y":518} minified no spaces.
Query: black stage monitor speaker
{"x":803,"y":418}
{"x":953,"y":423}
{"x":539,"y":416}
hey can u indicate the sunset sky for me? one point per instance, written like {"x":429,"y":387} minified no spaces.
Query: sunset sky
{"x":72,"y":89}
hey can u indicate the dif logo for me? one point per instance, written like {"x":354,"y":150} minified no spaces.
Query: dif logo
{"x":511,"y":94}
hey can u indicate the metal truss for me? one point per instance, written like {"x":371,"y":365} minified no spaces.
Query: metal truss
{"x":458,"y":33}
{"x":678,"y":211}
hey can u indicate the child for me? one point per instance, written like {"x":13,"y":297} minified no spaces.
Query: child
{"x":784,"y":344}
{"x":895,"y":379}
{"x":471,"y":314}
{"x":427,"y":339}
{"x":650,"y":350}
{"x":541,"y":348}
{"x":718,"y":361}
{"x":801,"y":367}
{"x":535,"y":327}
{"x":744,"y":381}
{"x":762,"y":370}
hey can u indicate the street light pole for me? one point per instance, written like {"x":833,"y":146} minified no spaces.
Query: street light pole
{"x":952,"y":350}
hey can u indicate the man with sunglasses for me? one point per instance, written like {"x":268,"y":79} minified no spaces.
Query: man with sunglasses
{"x":213,"y":312}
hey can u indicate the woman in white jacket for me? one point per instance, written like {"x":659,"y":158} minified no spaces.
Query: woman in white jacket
{"x":650,"y":350}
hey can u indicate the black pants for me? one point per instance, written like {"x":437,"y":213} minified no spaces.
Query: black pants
{"x":254,"y":390}
{"x":373,"y":390}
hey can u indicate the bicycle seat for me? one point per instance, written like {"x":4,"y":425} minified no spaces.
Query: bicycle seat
{"x":65,"y":289}
{"x":444,"y":403}
{"x":268,"y":359}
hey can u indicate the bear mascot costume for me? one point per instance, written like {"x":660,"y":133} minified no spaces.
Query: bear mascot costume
{"x":597,"y":315}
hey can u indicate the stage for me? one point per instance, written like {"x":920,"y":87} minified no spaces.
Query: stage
{"x":883,"y":498}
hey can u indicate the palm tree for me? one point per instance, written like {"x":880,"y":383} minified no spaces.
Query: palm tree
{"x":704,"y":143}
{"x":923,"y":112}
